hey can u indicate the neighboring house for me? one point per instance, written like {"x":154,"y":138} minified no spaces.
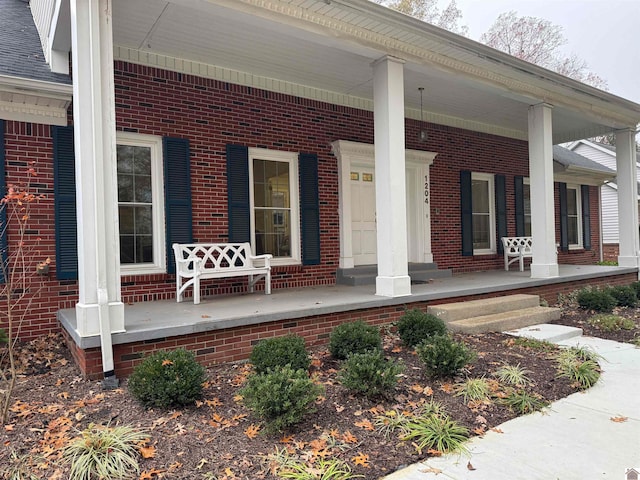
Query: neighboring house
{"x":255,"y":121}
{"x":606,"y":156}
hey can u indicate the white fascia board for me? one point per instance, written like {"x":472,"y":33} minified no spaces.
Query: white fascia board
{"x":36,"y":87}
{"x":34,"y":101}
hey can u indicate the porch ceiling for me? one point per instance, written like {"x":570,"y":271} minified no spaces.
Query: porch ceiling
{"x":328,"y":46}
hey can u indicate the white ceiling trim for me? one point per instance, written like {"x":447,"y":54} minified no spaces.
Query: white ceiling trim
{"x":535,"y":87}
{"x":279,"y":86}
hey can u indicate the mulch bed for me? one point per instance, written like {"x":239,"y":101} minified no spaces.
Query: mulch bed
{"x":576,"y":317}
{"x":216,"y":439}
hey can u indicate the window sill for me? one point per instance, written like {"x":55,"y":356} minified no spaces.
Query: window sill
{"x":484,"y":252}
{"x":141,"y":270}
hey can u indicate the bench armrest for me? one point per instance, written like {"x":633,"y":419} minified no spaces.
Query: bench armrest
{"x":266,"y":258}
{"x":182,"y":264}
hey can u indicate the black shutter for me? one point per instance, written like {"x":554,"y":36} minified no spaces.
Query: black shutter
{"x":501,"y":209}
{"x":309,"y":208}
{"x":564,"y":219}
{"x":466,"y":213}
{"x":238,"y":193}
{"x":177,"y":191}
{"x":519,"y":194}
{"x":4,"y":253}
{"x":586,"y":217}
{"x":64,"y":188}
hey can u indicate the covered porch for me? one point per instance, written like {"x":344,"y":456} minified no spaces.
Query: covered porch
{"x":225,"y":328}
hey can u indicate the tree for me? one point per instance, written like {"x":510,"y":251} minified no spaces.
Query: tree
{"x":427,"y":10}
{"x":538,"y":41}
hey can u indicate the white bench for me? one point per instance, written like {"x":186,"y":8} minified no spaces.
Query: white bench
{"x":198,"y":261}
{"x":516,"y":249}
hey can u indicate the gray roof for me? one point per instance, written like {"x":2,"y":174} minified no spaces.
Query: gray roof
{"x":569,"y":158}
{"x":20,"y":48}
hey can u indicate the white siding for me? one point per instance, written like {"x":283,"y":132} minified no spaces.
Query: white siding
{"x":608,"y":159}
{"x":609,"y":199}
{"x":42,"y":11}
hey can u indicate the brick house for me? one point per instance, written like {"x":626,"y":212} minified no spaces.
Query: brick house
{"x":294,"y":125}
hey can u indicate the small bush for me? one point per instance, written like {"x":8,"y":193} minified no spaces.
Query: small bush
{"x":443,"y":356}
{"x":608,"y":322}
{"x":167,"y":379}
{"x":354,"y":337}
{"x":281,"y":397}
{"x":104,"y":452}
{"x":636,"y":288}
{"x":278,"y":352}
{"x":597,"y":300}
{"x":370,"y":373}
{"x":625,"y":295}
{"x":415,"y":326}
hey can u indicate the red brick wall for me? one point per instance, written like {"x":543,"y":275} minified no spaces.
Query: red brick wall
{"x":610,"y":252}
{"x":236,"y":343}
{"x":212,"y":114}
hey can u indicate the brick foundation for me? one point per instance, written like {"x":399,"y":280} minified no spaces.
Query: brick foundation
{"x":236,"y":343}
{"x":610,"y":252}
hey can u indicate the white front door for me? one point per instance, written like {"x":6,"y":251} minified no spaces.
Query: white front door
{"x":363,"y":215}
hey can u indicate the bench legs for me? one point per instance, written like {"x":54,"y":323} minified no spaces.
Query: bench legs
{"x":253,"y":279}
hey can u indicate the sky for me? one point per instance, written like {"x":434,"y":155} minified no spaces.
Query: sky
{"x":604,"y":33}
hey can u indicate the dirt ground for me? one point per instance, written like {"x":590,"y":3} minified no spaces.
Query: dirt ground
{"x":220,"y":439}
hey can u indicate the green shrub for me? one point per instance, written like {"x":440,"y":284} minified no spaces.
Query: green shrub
{"x":278,"y":352}
{"x":625,"y":295}
{"x":598,"y":300}
{"x":104,"y":452}
{"x":370,"y":373}
{"x":608,"y":322}
{"x":636,"y":287}
{"x":415,"y":326}
{"x":167,"y":379}
{"x":3,"y":336}
{"x":354,"y":337}
{"x":281,"y":397}
{"x":443,"y":356}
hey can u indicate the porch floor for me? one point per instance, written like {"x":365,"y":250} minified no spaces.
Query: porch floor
{"x":167,"y":318}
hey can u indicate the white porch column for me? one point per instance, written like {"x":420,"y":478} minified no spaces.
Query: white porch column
{"x":99,"y":309}
{"x":391,"y":199}
{"x":627,"y":198}
{"x":545,"y":259}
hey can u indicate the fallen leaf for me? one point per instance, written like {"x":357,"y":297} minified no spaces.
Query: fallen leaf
{"x":366,"y":424}
{"x":149,"y":475}
{"x":431,"y":470}
{"x":619,"y":419}
{"x":201,"y":464}
{"x":147,"y":451}
{"x":497,"y":430}
{"x":434,"y":453}
{"x":361,"y":459}
{"x":349,"y":437}
{"x":252,"y":431}
{"x":9,"y":427}
{"x":339,"y":408}
{"x":470,"y":467}
{"x":166,"y":362}
{"x":287,"y":439}
{"x":205,"y":316}
{"x":64,"y":395}
{"x":447,"y":388}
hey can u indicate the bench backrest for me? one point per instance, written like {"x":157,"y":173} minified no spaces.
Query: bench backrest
{"x":517,"y":244}
{"x":217,"y":256}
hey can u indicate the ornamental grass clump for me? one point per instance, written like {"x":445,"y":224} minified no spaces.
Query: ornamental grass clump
{"x":370,"y":374}
{"x":415,"y":326}
{"x":278,"y":352}
{"x":104,"y":453}
{"x":579,"y":365}
{"x":281,"y":397}
{"x":443,"y":356}
{"x":167,"y":379}
{"x":354,"y":337}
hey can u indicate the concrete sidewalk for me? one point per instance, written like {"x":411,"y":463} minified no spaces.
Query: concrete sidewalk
{"x":574,"y":438}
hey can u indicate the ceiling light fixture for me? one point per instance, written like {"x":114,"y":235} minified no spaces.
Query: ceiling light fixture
{"x":423,"y":136}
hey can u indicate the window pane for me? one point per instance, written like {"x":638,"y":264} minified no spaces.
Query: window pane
{"x":125,"y":158}
{"x":127,"y":225}
{"x":573,"y":231}
{"x":144,"y":225}
{"x":527,"y":225}
{"x":572,"y":204}
{"x":127,"y":250}
{"x":481,"y":232}
{"x":142,"y":189}
{"x":142,"y":161}
{"x":144,"y":249}
{"x":125,"y":188}
{"x":480,"y":196}
{"x":526,"y":194}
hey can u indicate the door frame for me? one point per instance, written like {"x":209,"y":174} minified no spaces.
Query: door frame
{"x":350,"y":154}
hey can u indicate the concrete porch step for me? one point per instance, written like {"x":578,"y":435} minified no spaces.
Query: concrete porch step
{"x":366,"y":274}
{"x":452,"y":312}
{"x":498,"y":322}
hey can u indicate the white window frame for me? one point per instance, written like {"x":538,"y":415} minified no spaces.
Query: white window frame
{"x":489,"y":178}
{"x":154,"y":143}
{"x":579,"y":245}
{"x":292,"y":159}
